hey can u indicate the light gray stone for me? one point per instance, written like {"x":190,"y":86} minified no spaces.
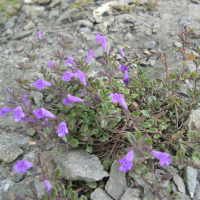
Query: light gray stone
{"x":190,"y":177}
{"x":177,"y":44}
{"x":103,"y":26}
{"x":185,"y":21}
{"x":131,"y":194}
{"x":116,"y":184}
{"x":49,"y":98}
{"x":85,"y":23}
{"x":30,"y":131}
{"x":194,"y":120}
{"x":65,"y":15}
{"x":54,"y":4}
{"x":140,"y":182}
{"x":150,"y":44}
{"x":54,"y":13}
{"x":9,"y":25}
{"x":153,"y":62}
{"x":84,"y":30}
{"x":197,"y":192}
{"x":37,"y":96}
{"x":10,"y":153}
{"x":195,"y":1}
{"x":43,"y":2}
{"x":80,"y":165}
{"x":181,"y":196}
{"x":179,"y":183}
{"x":169,"y":169}
{"x":128,"y":37}
{"x":100,"y":194}
{"x":23,"y":34}
{"x":125,"y":2}
{"x":29,"y":26}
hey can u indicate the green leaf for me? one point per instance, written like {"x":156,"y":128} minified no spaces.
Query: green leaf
{"x":196,"y":92}
{"x":189,"y":92}
{"x":57,"y":172}
{"x":100,"y":92}
{"x":63,"y":193}
{"x":145,"y":125}
{"x":53,"y":193}
{"x":147,"y":141}
{"x":62,"y":67}
{"x":92,"y":185}
{"x":194,"y":75}
{"x":44,"y":197}
{"x":171,"y":76}
{"x":169,"y":188}
{"x":73,"y":195}
{"x":106,"y":165}
{"x":74,"y":143}
{"x":150,"y":121}
{"x":152,"y":130}
{"x":83,"y":197}
{"x":83,"y":68}
{"x":178,"y":154}
{"x":150,"y":101}
{"x":89,"y":149}
{"x":145,"y":113}
{"x":58,"y":150}
{"x":137,"y":134}
{"x":157,"y":105}
{"x":155,"y":181}
{"x":107,"y":100}
{"x":134,"y":95}
{"x":25,"y":81}
{"x":129,"y":135}
{"x":159,"y":80}
{"x":192,"y":135}
{"x":196,"y":157}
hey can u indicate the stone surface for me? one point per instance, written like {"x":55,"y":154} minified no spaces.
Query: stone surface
{"x":116,"y":184}
{"x":185,"y":21}
{"x":21,"y":35}
{"x":29,"y":26}
{"x":181,"y":196}
{"x":10,"y":153}
{"x":149,"y":45}
{"x":179,"y":183}
{"x":131,"y":194}
{"x":37,"y":97}
{"x":49,"y":98}
{"x":100,"y":194}
{"x":30,"y":131}
{"x":79,"y":165}
{"x":190,"y":177}
{"x":169,"y":169}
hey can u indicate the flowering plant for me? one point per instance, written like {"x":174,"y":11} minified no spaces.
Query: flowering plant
{"x":129,"y":110}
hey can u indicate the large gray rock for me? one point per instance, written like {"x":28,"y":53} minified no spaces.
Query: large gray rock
{"x":190,"y":178}
{"x":150,"y":44}
{"x":194,"y":120}
{"x":131,"y":194}
{"x":100,"y":194}
{"x":65,"y":15}
{"x":117,"y":182}
{"x":37,"y":97}
{"x":179,"y":183}
{"x":80,"y":165}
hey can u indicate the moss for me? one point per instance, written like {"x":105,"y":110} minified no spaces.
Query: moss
{"x":9,"y":2}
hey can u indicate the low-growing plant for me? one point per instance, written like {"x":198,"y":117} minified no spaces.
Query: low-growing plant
{"x":80,"y":3}
{"x":144,"y":116}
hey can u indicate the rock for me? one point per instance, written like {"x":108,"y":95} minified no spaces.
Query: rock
{"x":49,"y":98}
{"x":117,"y":182}
{"x":21,"y":35}
{"x":30,"y":131}
{"x":197,"y":192}
{"x":128,"y":17}
{"x":177,"y":44}
{"x":185,"y":21}
{"x":84,"y":30}
{"x":39,"y":185}
{"x":140,"y":182}
{"x":103,"y":26}
{"x":148,"y":195}
{"x":194,"y":120}
{"x":9,"y":25}
{"x":65,"y":15}
{"x":99,"y":194}
{"x":131,"y":194}
{"x":128,"y":37}
{"x":190,"y":177}
{"x":54,"y":13}
{"x":179,"y":183}
{"x":50,"y":40}
{"x":149,"y":45}
{"x":4,"y":171}
{"x":29,"y":26}
{"x":169,"y":169}
{"x":195,"y":1}
{"x":37,"y":97}
{"x":152,"y":62}
{"x":181,"y":196}
{"x":54,"y":4}
{"x":85,"y":23}
{"x":79,"y":165}
{"x":29,"y":1}
{"x":43,"y":2}
{"x":9,"y":32}
{"x":172,"y":33}
{"x":10,"y":153}
{"x":5,"y":184}
{"x":16,"y":177}
{"x":31,"y":156}
{"x":125,"y":2}
{"x":9,"y":138}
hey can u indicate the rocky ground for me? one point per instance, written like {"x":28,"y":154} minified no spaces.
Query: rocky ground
{"x":132,"y":31}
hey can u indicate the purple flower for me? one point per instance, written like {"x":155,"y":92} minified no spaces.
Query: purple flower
{"x":90,"y":55}
{"x":26,"y":103}
{"x":162,"y":157}
{"x":122,"y":52}
{"x":69,"y":60}
{"x":40,"y":84}
{"x":18,"y":114}
{"x":22,"y":166}
{"x":25,"y":96}
{"x":41,"y":112}
{"x":70,"y":99}
{"x":67,"y":76}
{"x":126,"y":162}
{"x":79,"y":74}
{"x":42,"y":56}
{"x":62,"y":129}
{"x":8,"y":89}
{"x":102,"y":41}
{"x":126,"y":80}
{"x":5,"y":110}
{"x":26,"y":119}
{"x":38,"y":35}
{"x":50,"y":63}
{"x":123,"y":68}
{"x":47,"y":185}
{"x":118,"y":98}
